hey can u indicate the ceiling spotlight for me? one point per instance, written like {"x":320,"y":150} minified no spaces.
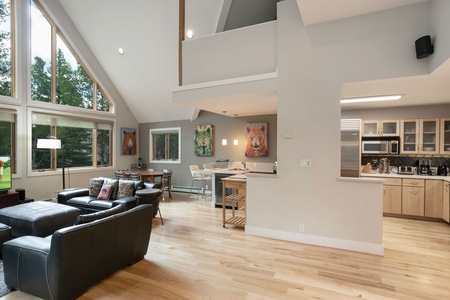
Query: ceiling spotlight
{"x":224,"y":111}
{"x":373,"y":98}
{"x":236,"y":115}
{"x":190,"y":34}
{"x":121,"y":52}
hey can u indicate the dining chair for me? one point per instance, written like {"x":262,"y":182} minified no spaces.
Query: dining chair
{"x":208,"y":167}
{"x":135,"y":176}
{"x":167,"y":182}
{"x":200,"y":176}
{"x":120,"y":175}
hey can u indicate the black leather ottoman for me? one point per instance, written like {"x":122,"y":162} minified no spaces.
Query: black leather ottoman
{"x":40,"y":218}
{"x":5,"y":235}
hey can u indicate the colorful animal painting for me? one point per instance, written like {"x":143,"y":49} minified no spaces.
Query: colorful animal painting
{"x":204,"y":140}
{"x":128,"y":141}
{"x":256,"y":139}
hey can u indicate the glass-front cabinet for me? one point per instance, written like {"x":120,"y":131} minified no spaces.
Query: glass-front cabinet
{"x":445,"y":136}
{"x":420,"y":136}
{"x":429,"y":139}
{"x":380,"y":128}
{"x":409,"y":139}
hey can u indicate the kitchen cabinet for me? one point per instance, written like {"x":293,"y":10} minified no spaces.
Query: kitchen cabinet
{"x":409,"y":136}
{"x":413,"y":197}
{"x":380,"y":128}
{"x":446,"y":202}
{"x":445,"y":136}
{"x":433,"y":198}
{"x":392,"y":195}
{"x":419,"y":136}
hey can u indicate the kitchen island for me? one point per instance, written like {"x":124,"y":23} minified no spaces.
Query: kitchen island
{"x":218,"y":174}
{"x":237,"y":215}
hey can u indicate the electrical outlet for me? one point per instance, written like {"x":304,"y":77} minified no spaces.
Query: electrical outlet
{"x":301,"y":228}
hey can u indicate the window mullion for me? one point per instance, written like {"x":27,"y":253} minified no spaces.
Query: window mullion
{"x":53,"y":58}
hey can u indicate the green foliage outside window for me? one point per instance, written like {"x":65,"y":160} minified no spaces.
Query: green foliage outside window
{"x":5,"y":49}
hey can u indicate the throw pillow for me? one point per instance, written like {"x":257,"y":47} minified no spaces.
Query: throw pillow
{"x":114,"y":183}
{"x":95,"y":185}
{"x":125,"y":189}
{"x":105,"y":193}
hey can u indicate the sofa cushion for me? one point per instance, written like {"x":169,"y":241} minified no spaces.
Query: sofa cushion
{"x":115,"y":183}
{"x":105,"y":193}
{"x":126,"y":189}
{"x":95,"y":185}
{"x":87,"y":218}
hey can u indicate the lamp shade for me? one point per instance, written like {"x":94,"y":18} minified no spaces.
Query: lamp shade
{"x":48,"y":144}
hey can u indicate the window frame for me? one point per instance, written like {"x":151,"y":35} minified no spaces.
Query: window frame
{"x":17,"y":162}
{"x":56,"y":33}
{"x":60,"y":114}
{"x":13,"y":32}
{"x":151,"y":144}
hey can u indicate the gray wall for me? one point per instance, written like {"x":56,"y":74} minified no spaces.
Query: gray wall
{"x":224,"y":128}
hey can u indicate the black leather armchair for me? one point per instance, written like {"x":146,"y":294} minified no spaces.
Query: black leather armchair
{"x":65,"y":264}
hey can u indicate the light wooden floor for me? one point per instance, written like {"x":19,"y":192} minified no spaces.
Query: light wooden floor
{"x":193,"y":257}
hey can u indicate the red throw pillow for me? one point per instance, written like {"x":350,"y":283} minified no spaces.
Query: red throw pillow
{"x":105,"y":192}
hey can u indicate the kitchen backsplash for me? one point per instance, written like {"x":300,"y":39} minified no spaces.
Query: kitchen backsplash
{"x":406,"y":161}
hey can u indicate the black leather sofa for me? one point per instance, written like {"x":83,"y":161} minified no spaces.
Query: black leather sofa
{"x":65,"y":264}
{"x":82,"y":199}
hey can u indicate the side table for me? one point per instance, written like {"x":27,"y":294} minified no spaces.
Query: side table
{"x":150,"y":196}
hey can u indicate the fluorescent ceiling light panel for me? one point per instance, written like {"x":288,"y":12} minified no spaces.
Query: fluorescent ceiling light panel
{"x":372,"y":98}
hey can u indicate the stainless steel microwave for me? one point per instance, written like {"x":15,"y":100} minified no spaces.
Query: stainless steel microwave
{"x":380,"y":146}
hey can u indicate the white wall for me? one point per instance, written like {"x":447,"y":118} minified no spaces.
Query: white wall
{"x":312,"y":63}
{"x":440,"y":23}
{"x":248,"y":51}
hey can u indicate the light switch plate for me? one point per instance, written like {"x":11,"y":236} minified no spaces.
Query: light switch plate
{"x":305,"y":163}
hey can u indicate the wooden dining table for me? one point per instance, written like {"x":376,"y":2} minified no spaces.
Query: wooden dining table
{"x":146,"y":175}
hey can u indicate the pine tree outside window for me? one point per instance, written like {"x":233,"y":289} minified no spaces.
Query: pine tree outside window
{"x":57,"y":76}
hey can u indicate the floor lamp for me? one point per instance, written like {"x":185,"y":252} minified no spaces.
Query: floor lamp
{"x":53,"y":143}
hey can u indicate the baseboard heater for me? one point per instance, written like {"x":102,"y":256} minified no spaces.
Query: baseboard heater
{"x":186,"y":189}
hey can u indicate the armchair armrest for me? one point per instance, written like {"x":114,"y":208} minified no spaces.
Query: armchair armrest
{"x":152,"y":185}
{"x":128,"y":202}
{"x":24,"y":262}
{"x":66,"y":195}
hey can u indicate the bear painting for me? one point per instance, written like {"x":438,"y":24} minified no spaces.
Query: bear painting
{"x":128,"y":141}
{"x":256,"y":139}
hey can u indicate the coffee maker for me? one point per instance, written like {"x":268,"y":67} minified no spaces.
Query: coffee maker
{"x":423,"y":167}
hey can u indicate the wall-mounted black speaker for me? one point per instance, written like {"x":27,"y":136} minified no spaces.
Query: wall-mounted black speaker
{"x":424,"y":48}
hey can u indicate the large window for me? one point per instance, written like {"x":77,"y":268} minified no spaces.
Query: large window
{"x":6,"y":51}
{"x":165,"y":145}
{"x":85,"y":143}
{"x":56,"y":73}
{"x":8,"y":136}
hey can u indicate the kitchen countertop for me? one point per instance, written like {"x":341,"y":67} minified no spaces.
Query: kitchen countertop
{"x":242,"y":171}
{"x":414,"y":176}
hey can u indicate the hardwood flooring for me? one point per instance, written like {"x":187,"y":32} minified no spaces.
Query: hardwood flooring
{"x":192,"y":257}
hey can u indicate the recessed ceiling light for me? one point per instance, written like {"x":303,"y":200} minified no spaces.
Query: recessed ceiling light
{"x":372,"y":98}
{"x":121,"y":52}
{"x":190,"y":34}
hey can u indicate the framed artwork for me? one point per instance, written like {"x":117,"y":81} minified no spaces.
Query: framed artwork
{"x":256,"y":139}
{"x":204,"y":140}
{"x":128,"y":141}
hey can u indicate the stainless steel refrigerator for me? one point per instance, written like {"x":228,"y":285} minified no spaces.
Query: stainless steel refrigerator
{"x":350,"y":147}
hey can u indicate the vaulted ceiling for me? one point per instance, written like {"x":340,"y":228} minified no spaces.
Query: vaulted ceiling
{"x":148,"y":33}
